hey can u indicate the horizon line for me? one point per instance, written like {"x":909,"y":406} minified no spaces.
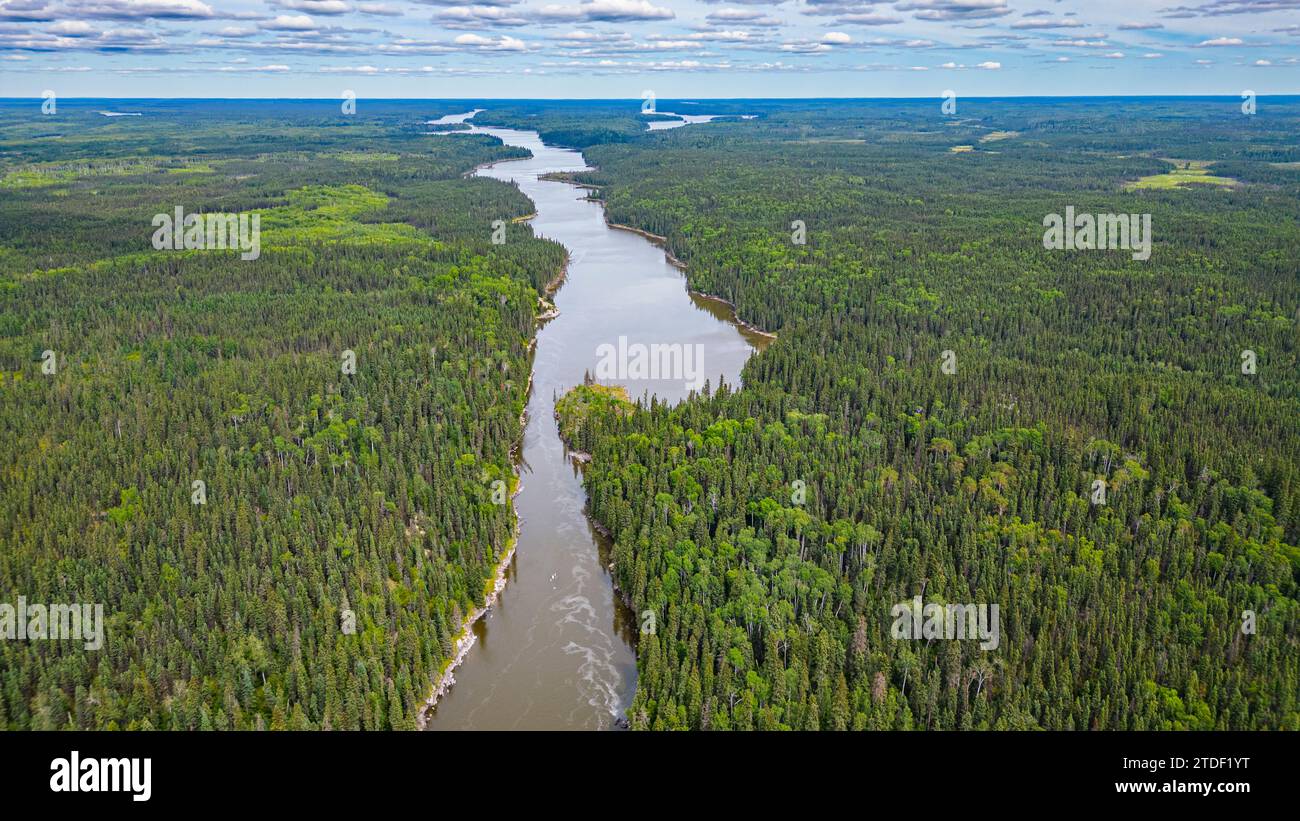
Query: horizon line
{"x":1207,"y":95}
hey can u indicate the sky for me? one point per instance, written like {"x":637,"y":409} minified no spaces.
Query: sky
{"x":618,"y":49}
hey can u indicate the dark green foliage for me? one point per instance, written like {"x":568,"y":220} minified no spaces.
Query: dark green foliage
{"x":775,"y":612}
{"x":325,"y":491}
{"x":371,"y":491}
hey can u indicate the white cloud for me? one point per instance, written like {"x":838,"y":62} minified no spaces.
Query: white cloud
{"x":1063,"y":23}
{"x":289,"y":22}
{"x":503,"y":43}
{"x":954,"y":9}
{"x":38,"y":11}
{"x":71,"y":28}
{"x":315,"y":6}
{"x":806,"y":48}
{"x":609,"y":11}
{"x":867,"y":19}
{"x":751,"y":17}
{"x":580,"y":37}
{"x":479,"y":16}
{"x":141,"y":9}
{"x":277,"y":68}
{"x":718,"y":36}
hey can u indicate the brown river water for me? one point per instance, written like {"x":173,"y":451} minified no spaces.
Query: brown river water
{"x":556,"y":650}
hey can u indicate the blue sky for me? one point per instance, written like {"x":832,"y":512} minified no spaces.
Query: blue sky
{"x":618,"y":48}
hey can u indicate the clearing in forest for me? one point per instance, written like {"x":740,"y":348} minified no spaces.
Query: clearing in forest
{"x":1184,"y":172}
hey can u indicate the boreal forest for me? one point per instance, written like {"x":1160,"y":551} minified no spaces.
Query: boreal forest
{"x":281,"y":476}
{"x":325,"y":491}
{"x":772,"y":527}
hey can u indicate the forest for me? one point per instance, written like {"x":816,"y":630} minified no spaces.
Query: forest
{"x":325,"y":489}
{"x":951,"y":411}
{"x":1106,"y":448}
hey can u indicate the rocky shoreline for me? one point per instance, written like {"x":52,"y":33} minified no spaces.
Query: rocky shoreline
{"x":466,"y":638}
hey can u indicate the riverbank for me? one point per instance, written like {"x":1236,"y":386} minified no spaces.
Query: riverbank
{"x":662,"y":242}
{"x":567,"y":409}
{"x":465,"y":641}
{"x":465,"y":638}
{"x":735,"y":317}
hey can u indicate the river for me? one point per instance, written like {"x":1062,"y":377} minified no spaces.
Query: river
{"x":556,"y":651}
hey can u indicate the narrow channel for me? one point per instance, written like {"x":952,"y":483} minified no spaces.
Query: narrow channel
{"x":556,"y":651}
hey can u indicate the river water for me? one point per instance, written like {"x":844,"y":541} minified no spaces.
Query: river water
{"x":556,"y":651}
{"x":686,"y":119}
